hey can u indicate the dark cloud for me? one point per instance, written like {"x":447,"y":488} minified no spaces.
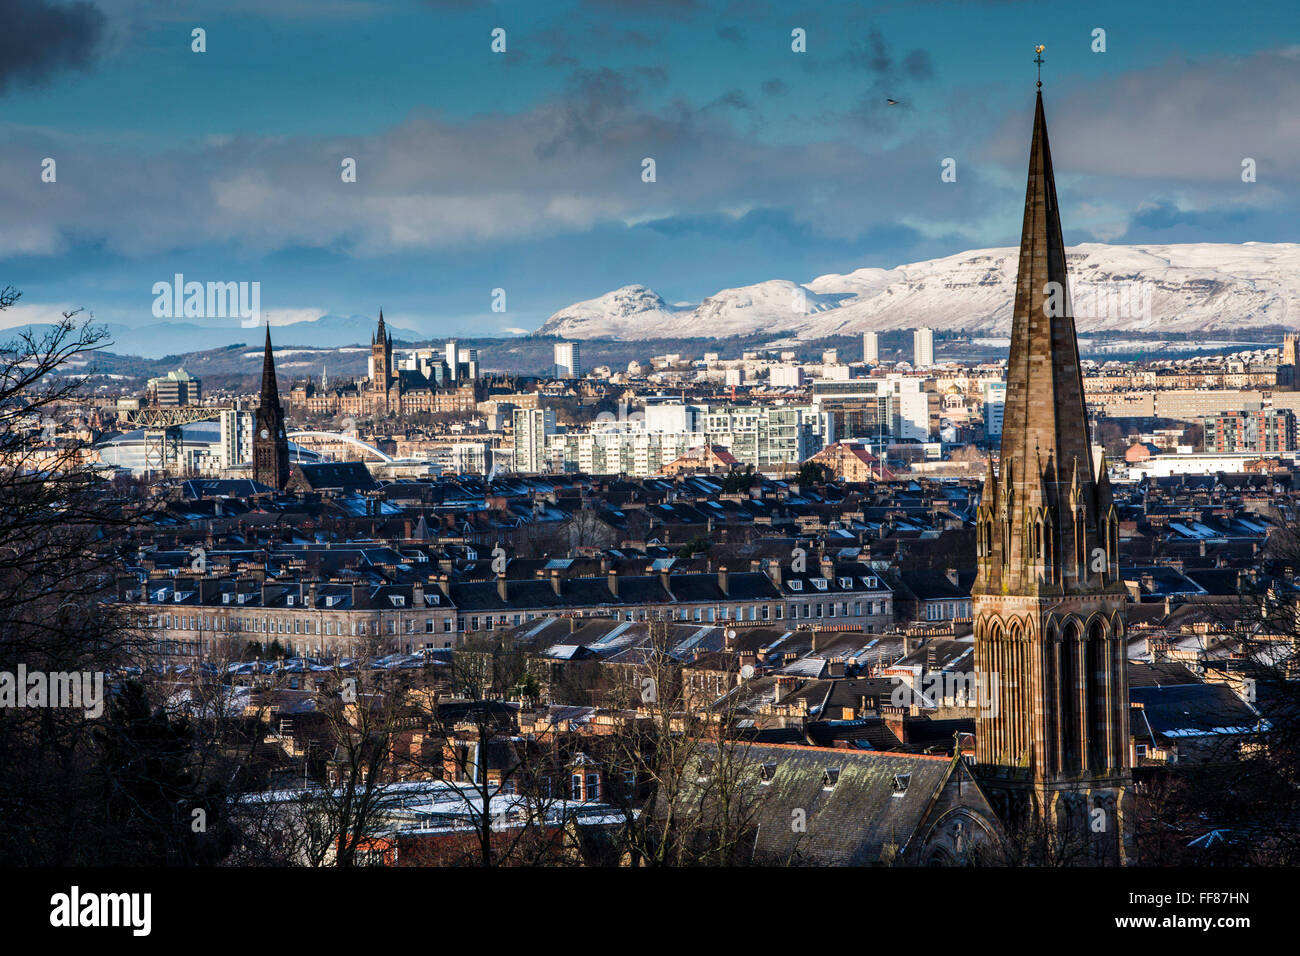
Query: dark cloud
{"x":734,"y":99}
{"x":731,"y":35}
{"x":39,"y":39}
{"x":774,"y":87}
{"x":917,"y":65}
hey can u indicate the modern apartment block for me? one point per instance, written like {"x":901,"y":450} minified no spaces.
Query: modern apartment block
{"x":868,"y":409}
{"x":568,"y":360}
{"x":1256,"y":429}
{"x":533,"y":427}
{"x":923,"y":348}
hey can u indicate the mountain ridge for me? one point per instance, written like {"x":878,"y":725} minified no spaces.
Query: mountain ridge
{"x":1182,"y":287}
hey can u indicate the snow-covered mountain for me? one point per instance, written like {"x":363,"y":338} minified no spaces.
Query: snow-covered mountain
{"x":1176,"y":288}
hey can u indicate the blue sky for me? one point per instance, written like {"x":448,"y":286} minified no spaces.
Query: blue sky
{"x":522,"y":170}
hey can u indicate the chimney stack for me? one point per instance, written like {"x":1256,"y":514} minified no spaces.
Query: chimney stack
{"x":502,"y":588}
{"x":613,"y":583}
{"x":417,"y":594}
{"x":555,"y":581}
{"x":774,"y":570}
{"x":722,"y":580}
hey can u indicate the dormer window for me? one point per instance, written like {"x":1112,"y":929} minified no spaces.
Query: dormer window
{"x":819,"y":583}
{"x":846,"y":583}
{"x":871,"y":581}
{"x":901,"y":781}
{"x":830,"y":777}
{"x":397,"y":599}
{"x":796,"y":585}
{"x":767,"y":772}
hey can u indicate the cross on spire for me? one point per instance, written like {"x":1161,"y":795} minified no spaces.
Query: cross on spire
{"x":1039,"y":60}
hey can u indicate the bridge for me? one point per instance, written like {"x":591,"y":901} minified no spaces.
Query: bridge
{"x":338,"y":436}
{"x":164,"y":442}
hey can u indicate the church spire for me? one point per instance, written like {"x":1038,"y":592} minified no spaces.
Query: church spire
{"x":270,"y":444}
{"x":1044,"y":404}
{"x":1048,"y":608}
{"x":270,"y":390}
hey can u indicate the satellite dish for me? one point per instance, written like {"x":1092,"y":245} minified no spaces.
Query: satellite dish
{"x":731,"y":633}
{"x":747,"y":671}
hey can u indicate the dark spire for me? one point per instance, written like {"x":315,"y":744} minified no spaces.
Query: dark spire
{"x":1044,"y":404}
{"x":270,"y":390}
{"x":1046,"y":457}
{"x":379,"y":337}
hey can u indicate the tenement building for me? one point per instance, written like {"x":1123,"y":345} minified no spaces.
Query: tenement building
{"x":1048,"y":604}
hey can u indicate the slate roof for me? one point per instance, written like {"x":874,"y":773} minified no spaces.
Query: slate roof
{"x":850,"y":823}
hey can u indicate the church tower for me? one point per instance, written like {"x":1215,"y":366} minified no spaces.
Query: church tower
{"x":1048,"y":604}
{"x":270,"y":445}
{"x":381,"y":358}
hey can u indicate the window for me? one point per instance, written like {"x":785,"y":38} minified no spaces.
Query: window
{"x":1140,"y":749}
{"x":830,"y":778}
{"x":577,"y":787}
{"x":796,"y":585}
{"x":767,"y":772}
{"x":901,"y":781}
{"x":593,"y":786}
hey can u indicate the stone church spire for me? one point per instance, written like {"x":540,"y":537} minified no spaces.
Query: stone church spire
{"x":1048,"y":606}
{"x":1045,"y":425}
{"x":270,"y":443}
{"x":270,"y":389}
